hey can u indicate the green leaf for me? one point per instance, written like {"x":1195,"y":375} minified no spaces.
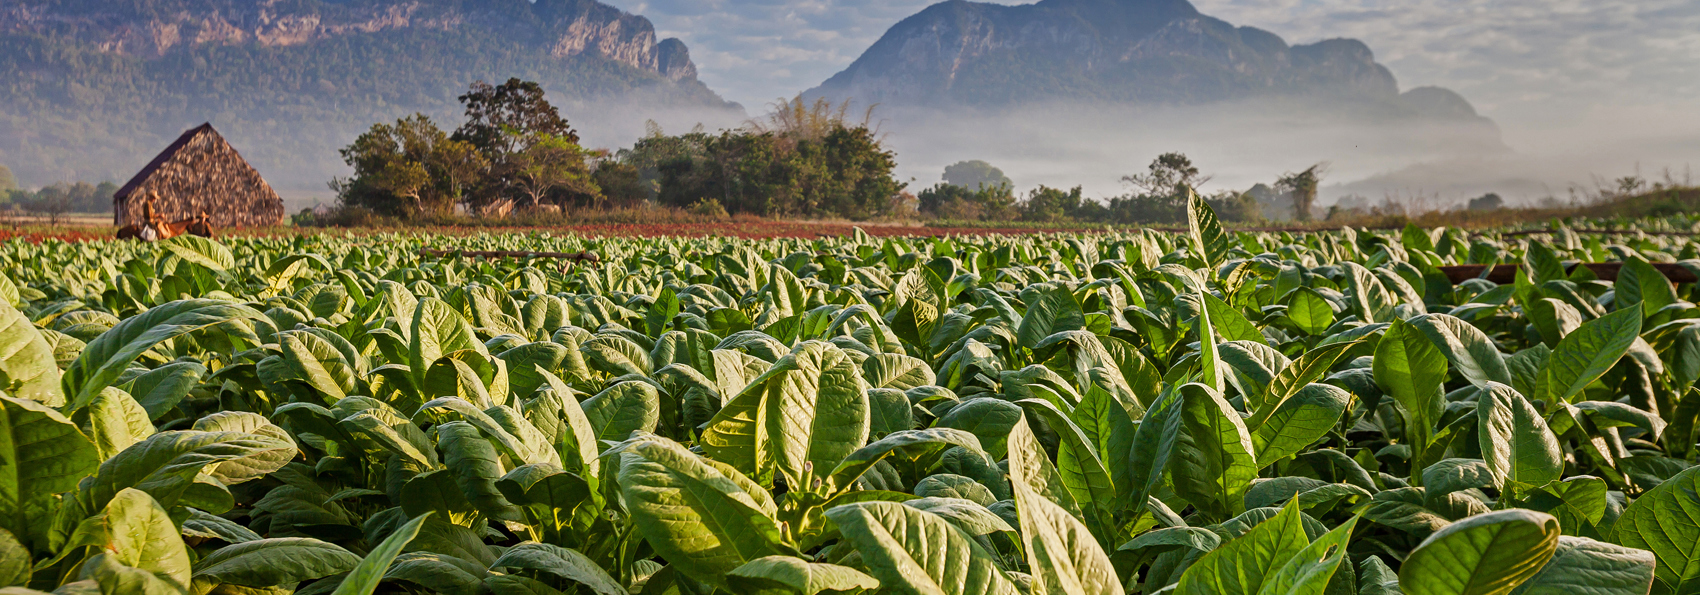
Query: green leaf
{"x":702,"y":522}
{"x":1064,"y":555}
{"x":1309,"y":368}
{"x":437,"y":330}
{"x":1310,"y":311}
{"x":799,"y":419}
{"x":1471,"y":352}
{"x":627,"y":407}
{"x":1666,"y":521}
{"x":1213,"y":462}
{"x":910,"y":443}
{"x":1588,"y":352}
{"x":364,"y":579}
{"x":202,"y":251}
{"x":28,"y":369}
{"x":1639,"y":284}
{"x":1583,"y":566}
{"x":561,"y":562}
{"x":661,"y":313}
{"x":1152,"y":448}
{"x":1309,"y":571}
{"x":1487,"y":554}
{"x":914,"y":552}
{"x":1208,"y":239}
{"x":1051,"y":309}
{"x":14,"y":561}
{"x":1229,"y":322}
{"x":106,"y":357}
{"x":1516,"y":443}
{"x":1410,"y":368}
{"x":136,"y":532}
{"x":785,"y":574}
{"x":1208,"y":357}
{"x":115,"y":421}
{"x":1299,"y":422}
{"x":160,"y":389}
{"x":318,"y":363}
{"x":476,"y":466}
{"x":41,"y":454}
{"x":1245,"y":564}
{"x":276,"y":562}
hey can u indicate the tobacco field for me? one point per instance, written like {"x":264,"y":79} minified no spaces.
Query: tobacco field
{"x":1139,"y":412}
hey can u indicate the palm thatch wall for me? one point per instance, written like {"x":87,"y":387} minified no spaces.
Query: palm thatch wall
{"x":200,"y":172}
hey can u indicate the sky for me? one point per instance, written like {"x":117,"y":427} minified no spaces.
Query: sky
{"x":1609,"y":85}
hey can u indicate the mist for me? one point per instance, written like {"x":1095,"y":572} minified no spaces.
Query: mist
{"x":1428,"y":163}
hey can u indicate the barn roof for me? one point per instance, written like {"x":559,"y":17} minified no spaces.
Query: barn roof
{"x":164,"y":156}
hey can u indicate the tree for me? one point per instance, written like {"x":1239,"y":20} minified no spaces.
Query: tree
{"x":1050,"y":204}
{"x":549,"y":166}
{"x":950,"y":201}
{"x":533,"y":155}
{"x":846,"y":173}
{"x":408,"y":168}
{"x":975,"y":175}
{"x":503,"y":120}
{"x":1487,"y":202}
{"x":794,"y":120}
{"x":1166,"y":175}
{"x":1302,"y":186}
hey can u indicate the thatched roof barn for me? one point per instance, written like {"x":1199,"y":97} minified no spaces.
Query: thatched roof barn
{"x":200,"y":172}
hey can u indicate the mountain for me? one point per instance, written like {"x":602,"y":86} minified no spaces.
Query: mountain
{"x":89,"y":89}
{"x":1150,"y":52}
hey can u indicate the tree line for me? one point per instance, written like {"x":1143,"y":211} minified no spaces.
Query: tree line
{"x":515,"y":152}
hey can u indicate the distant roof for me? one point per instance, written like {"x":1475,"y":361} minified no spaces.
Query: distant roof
{"x":159,"y":161}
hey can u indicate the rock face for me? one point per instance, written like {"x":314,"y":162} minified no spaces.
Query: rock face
{"x":1163,"y":52}
{"x":154,"y":29}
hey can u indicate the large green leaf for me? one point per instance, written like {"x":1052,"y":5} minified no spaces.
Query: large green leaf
{"x":476,"y":465}
{"x":1410,"y":368}
{"x":1519,"y":448}
{"x":1588,"y":352}
{"x":366,"y":575}
{"x":1064,"y":555}
{"x":1471,"y":352}
{"x":627,"y":407}
{"x":160,"y":389}
{"x":702,"y":522}
{"x":1214,"y":460}
{"x":797,"y":421}
{"x":41,"y":454}
{"x":1298,"y":422}
{"x":561,"y":562}
{"x":1583,"y":566}
{"x":1309,"y":571}
{"x":202,"y":251}
{"x":106,"y":357}
{"x":789,"y":575}
{"x":1487,"y":554}
{"x":1051,"y":309}
{"x":1666,"y":521}
{"x":914,"y":552}
{"x":28,"y":369}
{"x":1209,"y":241}
{"x":136,"y":532}
{"x":277,"y":562}
{"x":318,"y":363}
{"x":1243,"y":565}
{"x":437,"y":330}
{"x":1310,"y":311}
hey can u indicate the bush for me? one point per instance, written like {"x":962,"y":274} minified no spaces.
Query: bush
{"x":708,"y":207}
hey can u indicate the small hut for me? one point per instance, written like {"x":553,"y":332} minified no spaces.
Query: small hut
{"x":200,"y":172}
